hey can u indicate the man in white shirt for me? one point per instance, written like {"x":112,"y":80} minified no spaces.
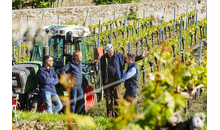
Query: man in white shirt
{"x":131,"y":79}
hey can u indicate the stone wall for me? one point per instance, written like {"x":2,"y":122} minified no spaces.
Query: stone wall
{"x":104,"y":12}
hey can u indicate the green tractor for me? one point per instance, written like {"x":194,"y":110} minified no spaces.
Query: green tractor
{"x":60,"y":44}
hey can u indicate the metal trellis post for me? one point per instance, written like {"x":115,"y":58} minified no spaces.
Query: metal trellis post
{"x":206,"y":20}
{"x":138,"y":35}
{"x":160,"y":32}
{"x":14,"y":52}
{"x":186,"y":16}
{"x":58,"y":19}
{"x":181,"y":36}
{"x":159,"y":41}
{"x":124,"y":24}
{"x":99,"y":32}
{"x":113,"y":18}
{"x":200,"y":51}
{"x":19,"y":50}
{"x":196,"y":19}
{"x":129,"y":47}
{"x":111,"y":37}
{"x":199,"y":63}
{"x":90,"y":20}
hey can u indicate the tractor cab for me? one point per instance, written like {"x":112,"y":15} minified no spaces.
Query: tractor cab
{"x":63,"y":40}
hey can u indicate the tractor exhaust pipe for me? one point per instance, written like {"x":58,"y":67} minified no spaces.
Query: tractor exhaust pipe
{"x":45,"y":50}
{"x":46,"y":47}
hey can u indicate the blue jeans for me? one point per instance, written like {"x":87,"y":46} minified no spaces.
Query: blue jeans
{"x":48,"y":99}
{"x":132,"y":93}
{"x":77,"y":92}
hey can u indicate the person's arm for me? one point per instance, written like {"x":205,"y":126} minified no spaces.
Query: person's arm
{"x":56,"y":80}
{"x":129,"y":74}
{"x":64,"y":69}
{"x":137,"y":58}
{"x":89,"y":67}
{"x":43,"y":78}
{"x":140,"y":57}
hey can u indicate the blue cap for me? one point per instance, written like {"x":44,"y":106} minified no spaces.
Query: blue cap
{"x":108,"y":47}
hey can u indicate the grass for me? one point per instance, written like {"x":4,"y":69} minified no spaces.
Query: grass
{"x":55,"y":121}
{"x":21,"y":115}
{"x":98,"y":112}
{"x":102,"y":123}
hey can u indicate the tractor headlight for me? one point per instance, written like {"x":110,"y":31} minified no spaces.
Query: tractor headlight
{"x":53,"y":30}
{"x":14,"y":83}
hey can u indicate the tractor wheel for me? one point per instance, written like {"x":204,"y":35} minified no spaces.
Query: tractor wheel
{"x":90,"y":100}
{"x":35,"y":103}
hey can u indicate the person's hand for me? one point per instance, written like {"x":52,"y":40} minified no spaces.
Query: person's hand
{"x":95,"y":61}
{"x":145,"y":54}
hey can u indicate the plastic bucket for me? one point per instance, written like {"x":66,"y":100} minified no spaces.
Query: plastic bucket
{"x":89,"y":97}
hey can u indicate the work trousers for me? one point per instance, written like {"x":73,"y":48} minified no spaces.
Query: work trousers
{"x":77,"y":92}
{"x":131,"y":94}
{"x":49,"y":98}
{"x":112,"y":93}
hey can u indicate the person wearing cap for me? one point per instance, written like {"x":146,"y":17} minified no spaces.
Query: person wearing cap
{"x":112,"y":69}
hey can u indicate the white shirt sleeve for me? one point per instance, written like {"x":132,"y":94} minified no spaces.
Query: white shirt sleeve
{"x":129,"y":74}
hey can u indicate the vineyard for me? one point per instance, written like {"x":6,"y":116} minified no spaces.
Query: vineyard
{"x":171,"y":78}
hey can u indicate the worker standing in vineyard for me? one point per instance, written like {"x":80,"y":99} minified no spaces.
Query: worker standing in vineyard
{"x":131,"y":80}
{"x":47,"y":79}
{"x":76,"y":67}
{"x":112,"y":69}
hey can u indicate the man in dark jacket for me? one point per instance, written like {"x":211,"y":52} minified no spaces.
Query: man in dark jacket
{"x":75,"y":67}
{"x":112,"y":69}
{"x":47,"y":79}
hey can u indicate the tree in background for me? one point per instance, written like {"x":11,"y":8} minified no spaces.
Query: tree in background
{"x":19,"y":4}
{"x":108,"y":2}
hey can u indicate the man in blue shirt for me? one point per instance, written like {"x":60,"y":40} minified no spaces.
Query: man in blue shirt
{"x":75,"y":67}
{"x":47,"y":79}
{"x":131,"y":79}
